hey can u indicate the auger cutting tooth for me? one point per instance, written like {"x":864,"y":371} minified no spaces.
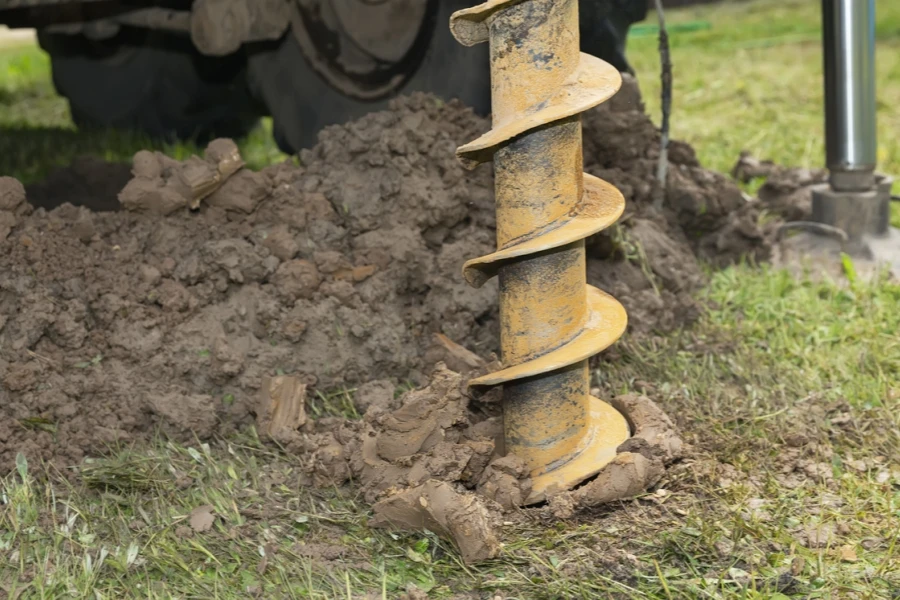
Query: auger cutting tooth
{"x":552,"y":322}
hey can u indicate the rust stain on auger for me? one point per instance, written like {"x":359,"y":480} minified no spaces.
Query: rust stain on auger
{"x":552,"y":322}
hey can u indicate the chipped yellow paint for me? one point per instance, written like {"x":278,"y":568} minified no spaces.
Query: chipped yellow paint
{"x":551,"y":321}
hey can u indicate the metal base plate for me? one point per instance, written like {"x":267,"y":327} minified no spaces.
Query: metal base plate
{"x":856,"y":213}
{"x":818,"y":254}
{"x":608,"y":430}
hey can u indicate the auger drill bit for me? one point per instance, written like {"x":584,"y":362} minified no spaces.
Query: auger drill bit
{"x":551,"y":321}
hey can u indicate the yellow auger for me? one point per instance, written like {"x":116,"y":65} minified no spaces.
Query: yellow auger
{"x":552,"y":322}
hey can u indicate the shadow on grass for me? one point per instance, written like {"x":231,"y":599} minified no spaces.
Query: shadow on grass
{"x":87,"y":181}
{"x":61,"y":165}
{"x":31,"y":153}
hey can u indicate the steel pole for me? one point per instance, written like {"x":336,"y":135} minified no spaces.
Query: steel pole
{"x":848,"y":32}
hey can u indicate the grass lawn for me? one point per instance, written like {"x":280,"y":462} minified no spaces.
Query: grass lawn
{"x":787,"y":390}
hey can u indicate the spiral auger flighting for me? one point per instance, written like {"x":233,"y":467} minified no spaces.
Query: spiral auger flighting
{"x":551,"y":321}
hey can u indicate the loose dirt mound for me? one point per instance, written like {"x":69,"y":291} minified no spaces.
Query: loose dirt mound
{"x":116,"y":324}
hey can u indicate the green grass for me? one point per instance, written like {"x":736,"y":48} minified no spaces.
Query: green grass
{"x":787,"y":390}
{"x":776,"y":359}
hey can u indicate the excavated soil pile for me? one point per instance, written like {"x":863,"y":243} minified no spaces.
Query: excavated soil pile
{"x":114,"y":325}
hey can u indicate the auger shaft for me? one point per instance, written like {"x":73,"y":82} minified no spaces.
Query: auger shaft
{"x":551,"y":321}
{"x":537,"y":182}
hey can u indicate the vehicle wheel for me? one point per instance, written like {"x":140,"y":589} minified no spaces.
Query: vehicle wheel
{"x":302,"y":102}
{"x":604,"y":26}
{"x":305,"y":94}
{"x":152,"y":83}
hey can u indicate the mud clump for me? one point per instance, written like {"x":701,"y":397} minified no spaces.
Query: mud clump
{"x":12,"y":194}
{"x":431,"y":459}
{"x":282,"y":408}
{"x":438,"y":507}
{"x":162,"y":185}
{"x":12,"y":205}
{"x":430,"y":436}
{"x":640,"y":461}
{"x":786,"y":192}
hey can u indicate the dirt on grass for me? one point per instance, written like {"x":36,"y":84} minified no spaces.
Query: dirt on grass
{"x":116,"y":325}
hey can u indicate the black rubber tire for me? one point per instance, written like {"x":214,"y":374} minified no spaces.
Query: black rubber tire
{"x":302,"y":103}
{"x":604,"y":26}
{"x":152,"y":83}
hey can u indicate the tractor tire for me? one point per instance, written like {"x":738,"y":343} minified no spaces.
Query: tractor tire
{"x":151,"y":83}
{"x":301,"y":102}
{"x":604,"y":26}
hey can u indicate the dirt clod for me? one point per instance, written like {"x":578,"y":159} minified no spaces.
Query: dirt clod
{"x":7,"y":222}
{"x":282,"y":408}
{"x":377,"y":395}
{"x":653,"y":433}
{"x":281,"y":243}
{"x":413,"y":593}
{"x":156,"y":187}
{"x":457,"y":358}
{"x":460,"y":516}
{"x":506,"y":482}
{"x":202,"y":518}
{"x":162,"y":185}
{"x":628,"y":475}
{"x":429,"y":436}
{"x":12,"y":194}
{"x":12,"y":200}
{"x":786,"y":192}
{"x":297,"y":279}
{"x":640,"y":463}
{"x":818,"y":536}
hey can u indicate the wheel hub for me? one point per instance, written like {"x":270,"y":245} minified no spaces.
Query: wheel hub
{"x":366,"y":49}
